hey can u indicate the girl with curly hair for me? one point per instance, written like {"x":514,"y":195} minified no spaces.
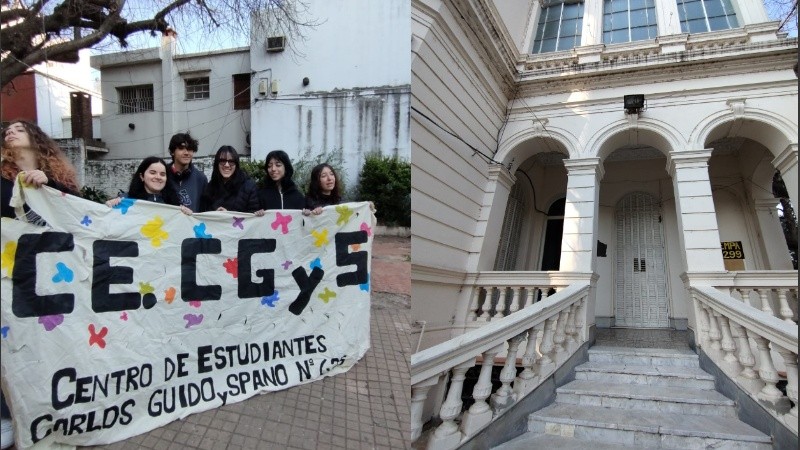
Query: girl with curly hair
{"x":26,"y":148}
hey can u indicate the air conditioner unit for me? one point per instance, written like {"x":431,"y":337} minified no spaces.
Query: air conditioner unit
{"x":276,"y":44}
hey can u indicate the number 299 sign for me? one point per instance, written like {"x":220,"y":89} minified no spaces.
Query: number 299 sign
{"x":732,"y":250}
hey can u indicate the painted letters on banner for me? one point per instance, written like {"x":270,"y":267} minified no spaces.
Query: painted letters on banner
{"x":118,"y":321}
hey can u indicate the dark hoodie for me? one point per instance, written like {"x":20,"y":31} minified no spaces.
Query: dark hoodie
{"x":289,"y":197}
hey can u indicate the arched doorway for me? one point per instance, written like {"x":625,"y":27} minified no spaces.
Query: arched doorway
{"x":640,"y":298}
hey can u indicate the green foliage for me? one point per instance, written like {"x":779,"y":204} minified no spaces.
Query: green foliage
{"x":302,"y":168}
{"x":95,"y":195}
{"x":386,"y":181}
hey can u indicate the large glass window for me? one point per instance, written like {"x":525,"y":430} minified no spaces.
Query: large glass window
{"x":133,"y":99}
{"x":559,"y":27}
{"x":699,"y":16}
{"x":629,"y":20}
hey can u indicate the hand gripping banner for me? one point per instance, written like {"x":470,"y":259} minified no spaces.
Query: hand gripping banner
{"x":118,"y":321}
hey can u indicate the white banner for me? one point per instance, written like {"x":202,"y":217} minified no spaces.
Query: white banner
{"x":118,"y":321}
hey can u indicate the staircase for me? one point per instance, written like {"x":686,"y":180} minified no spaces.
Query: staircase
{"x":639,"y":398}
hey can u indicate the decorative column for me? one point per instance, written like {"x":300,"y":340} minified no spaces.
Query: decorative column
{"x":504,"y":397}
{"x":775,"y":254}
{"x":748,"y":378}
{"x":697,"y":218}
{"x":528,"y":379}
{"x":490,"y":220}
{"x":790,"y":360}
{"x":580,"y":214}
{"x":766,"y":370}
{"x":668,"y":19}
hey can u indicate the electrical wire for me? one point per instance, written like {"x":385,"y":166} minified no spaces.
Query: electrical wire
{"x":488,"y":158}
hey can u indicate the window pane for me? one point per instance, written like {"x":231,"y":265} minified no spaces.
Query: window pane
{"x":640,"y":33}
{"x":548,"y":45}
{"x":572,"y":11}
{"x":569,"y":27}
{"x":607,"y":22}
{"x":566,"y":43}
{"x":550,"y":31}
{"x":620,"y":20}
{"x":620,"y":5}
{"x":718,"y":23}
{"x":619,"y":36}
{"x":694,"y":10}
{"x":697,"y":26}
{"x":638,"y":4}
{"x":607,"y":37}
{"x":714,"y":8}
{"x":639,"y":17}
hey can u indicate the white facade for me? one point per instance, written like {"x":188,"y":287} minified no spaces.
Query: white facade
{"x":720,"y":118}
{"x":54,"y":81}
{"x":213,"y":121}
{"x":357,"y":97}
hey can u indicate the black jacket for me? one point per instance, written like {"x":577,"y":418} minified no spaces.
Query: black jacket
{"x":245,"y":199}
{"x":291,"y":198}
{"x":189,"y":184}
{"x":322,"y":201}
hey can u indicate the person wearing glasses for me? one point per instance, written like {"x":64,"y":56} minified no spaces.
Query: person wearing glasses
{"x":279,"y":191}
{"x":187,"y":180}
{"x":230,"y":189}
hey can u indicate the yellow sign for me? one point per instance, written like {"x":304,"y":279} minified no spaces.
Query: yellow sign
{"x":732,"y":250}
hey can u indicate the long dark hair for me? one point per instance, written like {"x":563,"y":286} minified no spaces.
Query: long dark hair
{"x":218,"y":186}
{"x":281,"y":156}
{"x":136,"y":189}
{"x":314,"y":189}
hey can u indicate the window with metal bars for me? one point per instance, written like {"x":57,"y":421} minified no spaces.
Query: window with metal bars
{"x":134,"y":99}
{"x":629,"y":20}
{"x":699,"y":16}
{"x":197,"y":88}
{"x":559,"y":28}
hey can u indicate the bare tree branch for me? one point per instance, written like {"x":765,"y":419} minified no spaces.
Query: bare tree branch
{"x":56,"y":30}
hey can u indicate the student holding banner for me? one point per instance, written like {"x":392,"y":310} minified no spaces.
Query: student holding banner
{"x":149,"y":182}
{"x":280,"y":192}
{"x":323,"y":190}
{"x":189,"y":182}
{"x":29,"y":150}
{"x":230,"y":188}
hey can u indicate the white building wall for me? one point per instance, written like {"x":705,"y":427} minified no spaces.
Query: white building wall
{"x":357,"y":98}
{"x":212,"y":121}
{"x":54,"y":81}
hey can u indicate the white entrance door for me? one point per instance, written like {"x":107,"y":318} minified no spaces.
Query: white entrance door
{"x":641,"y":288}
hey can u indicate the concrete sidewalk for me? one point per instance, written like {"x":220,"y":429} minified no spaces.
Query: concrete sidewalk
{"x":365,"y":408}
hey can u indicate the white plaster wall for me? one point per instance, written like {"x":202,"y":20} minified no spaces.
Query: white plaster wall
{"x":357,"y":99}
{"x":54,"y":81}
{"x":212,"y":121}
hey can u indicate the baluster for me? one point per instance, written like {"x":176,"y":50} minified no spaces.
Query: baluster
{"x":745,"y":293}
{"x":790,"y":360}
{"x":546,"y":364}
{"x":473,"y":306}
{"x":713,"y":331}
{"x":570,"y":342}
{"x":580,"y":315}
{"x":500,"y":309}
{"x":703,"y":324}
{"x":515,"y":296}
{"x":558,"y":338}
{"x":530,"y":292}
{"x":748,"y":378}
{"x":419,"y":393}
{"x":480,"y":413}
{"x":447,"y":436}
{"x":786,"y":312}
{"x":504,"y":397}
{"x":729,"y":347}
{"x":763,"y":294}
{"x":528,"y":379}
{"x":766,"y":370}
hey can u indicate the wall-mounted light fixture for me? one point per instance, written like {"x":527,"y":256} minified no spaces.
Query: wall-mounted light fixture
{"x":633,"y":103}
{"x":132,"y":126}
{"x":306,"y":81}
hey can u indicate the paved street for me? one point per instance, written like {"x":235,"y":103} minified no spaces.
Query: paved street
{"x":365,"y":408}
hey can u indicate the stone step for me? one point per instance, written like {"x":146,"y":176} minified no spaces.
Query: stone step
{"x":667,"y":376}
{"x":644,"y":356}
{"x":678,"y":400}
{"x":545,"y":441}
{"x":638,"y":428}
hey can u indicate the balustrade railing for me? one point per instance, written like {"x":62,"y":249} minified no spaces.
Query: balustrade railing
{"x":745,"y":341}
{"x":773,"y":291}
{"x":557,"y":323}
{"x":498,"y":294}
